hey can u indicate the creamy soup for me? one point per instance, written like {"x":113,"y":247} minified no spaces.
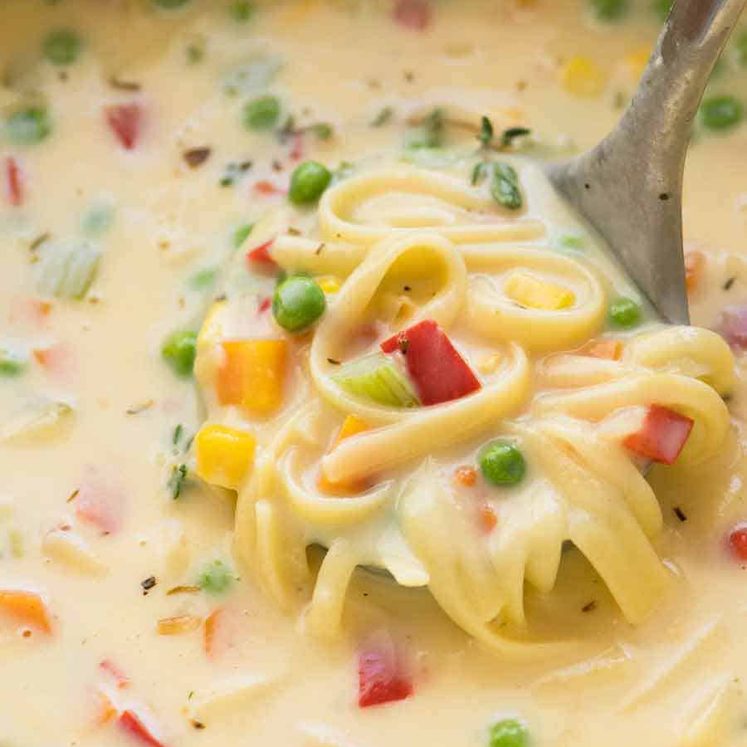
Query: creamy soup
{"x":324,"y":420}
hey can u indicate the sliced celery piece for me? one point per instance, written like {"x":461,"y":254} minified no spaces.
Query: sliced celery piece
{"x":377,"y":378}
{"x":68,"y":269}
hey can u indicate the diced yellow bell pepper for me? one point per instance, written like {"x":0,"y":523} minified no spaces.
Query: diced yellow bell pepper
{"x":252,"y":374}
{"x":581,"y":76}
{"x":533,"y":293}
{"x":329,"y":284}
{"x":224,"y":455}
{"x":351,"y":426}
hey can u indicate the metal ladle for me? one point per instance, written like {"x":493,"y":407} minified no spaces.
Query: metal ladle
{"x":629,"y":187}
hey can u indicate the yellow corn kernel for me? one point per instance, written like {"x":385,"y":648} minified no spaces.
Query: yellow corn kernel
{"x":581,"y":76}
{"x":329,"y":283}
{"x":636,"y":61}
{"x":178,"y":625}
{"x":224,"y":455}
{"x":252,"y":375}
{"x":533,"y":293}
{"x":351,"y":426}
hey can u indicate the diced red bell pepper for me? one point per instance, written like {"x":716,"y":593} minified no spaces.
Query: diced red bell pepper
{"x":662,"y":435}
{"x":13,"y":181}
{"x":439,"y":373}
{"x":121,"y":680}
{"x":297,"y":147}
{"x":132,"y":724}
{"x":413,"y":14}
{"x":382,"y":677}
{"x":260,"y":255}
{"x":264,"y":305}
{"x":266,"y":187}
{"x":737,"y":541}
{"x":125,"y":121}
{"x":732,"y":326}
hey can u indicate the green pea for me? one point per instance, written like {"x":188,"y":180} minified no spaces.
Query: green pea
{"x":609,"y":10}
{"x":508,"y":733}
{"x":501,"y":463}
{"x":297,"y":303}
{"x":624,"y":312}
{"x":179,"y":350}
{"x":241,"y":10}
{"x":662,"y":8}
{"x":11,"y":363}
{"x":261,"y":113}
{"x":308,"y":182}
{"x":62,"y":47}
{"x":215,"y":578}
{"x":28,"y":126}
{"x":169,"y":4}
{"x":721,"y":112}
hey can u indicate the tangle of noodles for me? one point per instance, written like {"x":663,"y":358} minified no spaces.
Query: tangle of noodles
{"x":413,"y":245}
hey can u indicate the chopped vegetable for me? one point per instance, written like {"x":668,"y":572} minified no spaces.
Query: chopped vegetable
{"x":382,"y":678}
{"x":329,"y":284}
{"x":488,"y":518}
{"x":624,"y":312}
{"x":531,"y":292}
{"x":13,"y":182}
{"x":721,"y":112}
{"x":260,"y":255}
{"x":609,"y":10}
{"x":224,"y":455}
{"x":169,"y":4}
{"x":502,"y":463}
{"x":178,"y":625}
{"x":37,"y":421}
{"x":177,"y":478}
{"x":12,"y":363}
{"x":261,"y":113}
{"x":737,"y":541}
{"x":121,"y":680}
{"x":732,"y":326}
{"x":241,"y":10}
{"x":465,"y":476}
{"x":215,"y":578}
{"x":67,"y":269}
{"x":308,"y":182}
{"x":210,"y":631}
{"x":68,"y":548}
{"x":740,"y":48}
{"x":413,"y":14}
{"x":252,"y":375}
{"x":607,"y":349}
{"x":662,"y":435}
{"x":128,"y":720}
{"x":125,"y":121}
{"x":99,"y":504}
{"x":439,"y":372}
{"x":382,"y":117}
{"x":62,"y":47}
{"x":430,"y":133}
{"x":241,"y":234}
{"x":28,"y":126}
{"x":377,"y":378}
{"x":297,"y":303}
{"x":508,"y":733}
{"x":98,"y":219}
{"x":179,"y":350}
{"x":694,"y":265}
{"x":504,"y":186}
{"x":203,"y":279}
{"x":25,"y":607}
{"x":581,"y":76}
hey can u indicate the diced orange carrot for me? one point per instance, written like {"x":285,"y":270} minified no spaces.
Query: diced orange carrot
{"x":210,"y":631}
{"x":252,"y":375}
{"x":607,"y":349}
{"x":26,"y":607}
{"x":351,"y":426}
{"x":465,"y":476}
{"x":694,"y":265}
{"x":106,"y":711}
{"x":488,"y":518}
{"x":178,"y":625}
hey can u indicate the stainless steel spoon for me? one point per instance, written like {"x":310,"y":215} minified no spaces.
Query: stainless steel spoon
{"x":629,"y":187}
